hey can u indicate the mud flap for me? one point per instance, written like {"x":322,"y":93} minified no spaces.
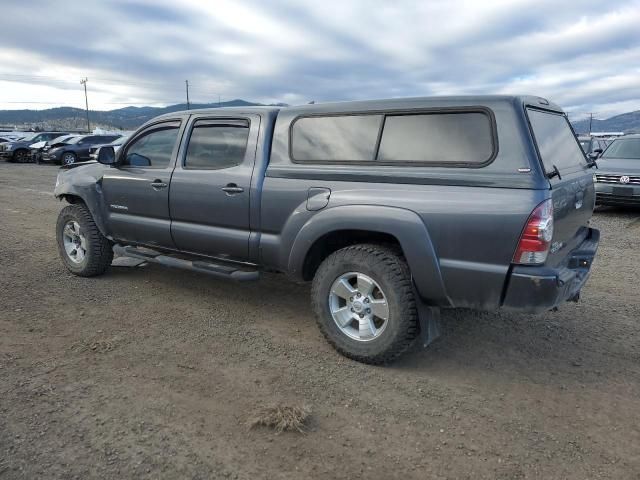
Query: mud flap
{"x":429,"y":318}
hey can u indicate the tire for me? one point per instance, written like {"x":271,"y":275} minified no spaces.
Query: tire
{"x":68,"y":158}
{"x":94,"y":252}
{"x":386,"y":268}
{"x":20,"y":156}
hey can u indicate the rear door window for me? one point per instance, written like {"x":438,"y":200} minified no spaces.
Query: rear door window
{"x":557,"y":145}
{"x":217,"y":144}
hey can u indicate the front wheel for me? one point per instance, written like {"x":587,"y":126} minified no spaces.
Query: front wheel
{"x":20,"y":156}
{"x":363,"y":300}
{"x":83,"y":249}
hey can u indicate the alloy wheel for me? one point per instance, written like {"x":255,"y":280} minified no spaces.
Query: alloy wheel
{"x":358,"y":306}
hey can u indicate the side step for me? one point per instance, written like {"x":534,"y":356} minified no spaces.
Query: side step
{"x":219,"y":270}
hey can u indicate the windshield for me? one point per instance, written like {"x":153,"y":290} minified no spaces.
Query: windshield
{"x":60,"y":139}
{"x":623,"y":148}
{"x":119,"y":141}
{"x":556,"y":142}
{"x":27,"y":138}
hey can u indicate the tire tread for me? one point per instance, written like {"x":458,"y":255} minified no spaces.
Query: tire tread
{"x":390,"y":258}
{"x":100,"y":250}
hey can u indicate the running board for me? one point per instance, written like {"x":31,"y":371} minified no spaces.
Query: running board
{"x":219,"y":270}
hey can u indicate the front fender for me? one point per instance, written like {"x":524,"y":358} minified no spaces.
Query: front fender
{"x":403,"y":224}
{"x":85,"y":182}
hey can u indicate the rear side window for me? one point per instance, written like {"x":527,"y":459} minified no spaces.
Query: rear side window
{"x":350,"y":138}
{"x":430,"y":138}
{"x":459,"y":138}
{"x":216,"y":145}
{"x":556,"y":142}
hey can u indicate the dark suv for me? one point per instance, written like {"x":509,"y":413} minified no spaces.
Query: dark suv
{"x":393,"y":209}
{"x":77,"y":149}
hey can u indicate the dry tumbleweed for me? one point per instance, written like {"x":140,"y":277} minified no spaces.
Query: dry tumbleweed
{"x":282,"y":418}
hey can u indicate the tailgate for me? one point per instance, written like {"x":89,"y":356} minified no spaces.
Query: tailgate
{"x":571,"y":184}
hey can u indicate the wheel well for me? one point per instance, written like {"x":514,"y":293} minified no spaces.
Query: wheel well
{"x":72,"y":199}
{"x":333,"y":241}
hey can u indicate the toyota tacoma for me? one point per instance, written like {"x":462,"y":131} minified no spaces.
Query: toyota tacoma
{"x":393,"y":209}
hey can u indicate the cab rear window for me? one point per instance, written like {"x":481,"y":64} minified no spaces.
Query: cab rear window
{"x":557,"y":145}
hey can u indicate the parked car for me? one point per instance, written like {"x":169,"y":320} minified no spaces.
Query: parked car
{"x":592,"y":146}
{"x":38,"y":151}
{"x":617,"y":179}
{"x":76,"y":149}
{"x":116,"y":144}
{"x":13,"y":136}
{"x":393,"y":209}
{"x":18,"y":151}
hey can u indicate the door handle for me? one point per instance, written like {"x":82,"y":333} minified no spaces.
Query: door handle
{"x":232,"y":189}
{"x":157,"y":184}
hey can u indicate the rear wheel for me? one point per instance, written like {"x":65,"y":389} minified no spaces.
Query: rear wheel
{"x":363,"y":300}
{"x":68,"y":158}
{"x":83,"y":248}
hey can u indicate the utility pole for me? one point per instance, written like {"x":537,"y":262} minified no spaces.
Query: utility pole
{"x":219,"y":104}
{"x":186,"y":82}
{"x":590,"y":121}
{"x":86,"y":102}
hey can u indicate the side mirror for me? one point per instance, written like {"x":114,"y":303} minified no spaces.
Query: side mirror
{"x":106,"y":155}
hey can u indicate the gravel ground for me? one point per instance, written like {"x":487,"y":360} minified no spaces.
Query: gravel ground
{"x":153,"y":373}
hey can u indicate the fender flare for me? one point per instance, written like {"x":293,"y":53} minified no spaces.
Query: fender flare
{"x":89,"y":195}
{"x":403,"y":224}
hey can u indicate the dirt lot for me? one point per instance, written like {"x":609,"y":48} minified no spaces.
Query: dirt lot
{"x":152,"y":373}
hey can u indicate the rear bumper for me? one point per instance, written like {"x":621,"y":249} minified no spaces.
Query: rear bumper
{"x":6,"y":155}
{"x":538,"y":289}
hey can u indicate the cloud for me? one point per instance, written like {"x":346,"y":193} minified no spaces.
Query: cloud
{"x":584,"y":55}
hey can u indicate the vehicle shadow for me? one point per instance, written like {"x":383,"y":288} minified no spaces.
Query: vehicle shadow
{"x":572,"y":344}
{"x":579,"y":343}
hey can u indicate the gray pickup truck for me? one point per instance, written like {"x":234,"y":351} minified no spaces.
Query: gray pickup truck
{"x":393,"y":209}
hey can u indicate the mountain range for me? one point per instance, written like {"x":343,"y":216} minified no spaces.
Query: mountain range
{"x":129,"y":118}
{"x":626,"y":122}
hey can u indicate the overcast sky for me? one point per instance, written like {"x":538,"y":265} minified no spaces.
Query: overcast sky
{"x":585,"y":55}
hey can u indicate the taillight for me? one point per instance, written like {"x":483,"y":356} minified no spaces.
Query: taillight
{"x":535,"y":240}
